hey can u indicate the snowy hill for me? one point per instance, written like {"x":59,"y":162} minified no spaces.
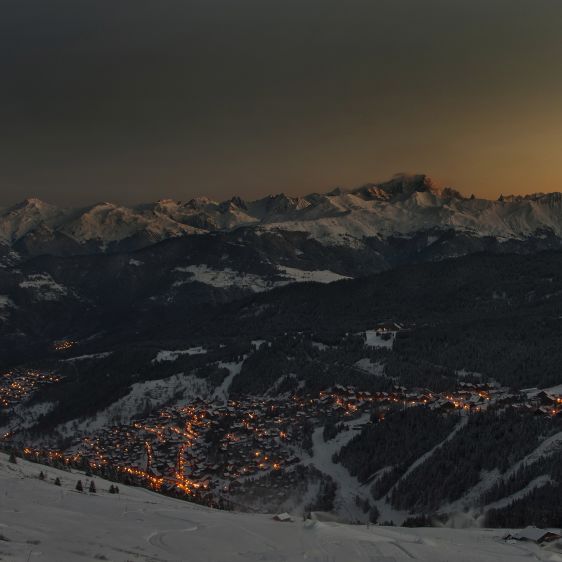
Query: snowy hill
{"x":401,"y":207}
{"x":44,"y":522}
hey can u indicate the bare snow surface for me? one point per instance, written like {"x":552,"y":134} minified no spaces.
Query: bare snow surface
{"x":44,"y":287}
{"x":102,"y":355}
{"x":318,"y":276}
{"x":373,"y":339}
{"x":43,"y":522}
{"x":167,"y":355}
{"x":222,"y":391}
{"x":223,"y":278}
{"x":367,"y":366}
{"x":227,"y":277}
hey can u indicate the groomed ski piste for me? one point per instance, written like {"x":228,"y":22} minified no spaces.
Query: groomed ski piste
{"x":40,"y":521}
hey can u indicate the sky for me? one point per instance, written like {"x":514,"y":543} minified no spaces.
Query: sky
{"x":135,"y":100}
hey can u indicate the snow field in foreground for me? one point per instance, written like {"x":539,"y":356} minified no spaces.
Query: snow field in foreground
{"x":43,"y":522}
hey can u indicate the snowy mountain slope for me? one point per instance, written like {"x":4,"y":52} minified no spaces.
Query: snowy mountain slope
{"x":357,"y":217}
{"x":34,"y":222}
{"x":43,"y":522}
{"x":550,"y":446}
{"x":400,"y":207}
{"x":27,"y":216}
{"x":148,"y":395}
{"x":110,"y":223}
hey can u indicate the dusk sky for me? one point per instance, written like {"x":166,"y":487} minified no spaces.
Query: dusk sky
{"x":133,"y":101}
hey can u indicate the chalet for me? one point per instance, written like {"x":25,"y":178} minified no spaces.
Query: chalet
{"x":443,"y":405}
{"x":545,"y":399}
{"x":388,"y":328}
{"x":533,"y":534}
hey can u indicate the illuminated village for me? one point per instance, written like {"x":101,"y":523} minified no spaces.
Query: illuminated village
{"x":17,"y":386}
{"x":205,"y":449}
{"x":63,"y":345}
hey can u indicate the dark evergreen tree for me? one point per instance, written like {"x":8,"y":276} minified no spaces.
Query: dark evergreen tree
{"x":79,"y":486}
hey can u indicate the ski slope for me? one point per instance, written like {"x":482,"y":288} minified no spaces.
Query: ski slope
{"x":43,"y":522}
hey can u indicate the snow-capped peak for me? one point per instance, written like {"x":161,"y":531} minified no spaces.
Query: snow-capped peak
{"x":26,"y":216}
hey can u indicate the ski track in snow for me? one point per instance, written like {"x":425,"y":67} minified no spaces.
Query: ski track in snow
{"x":548,"y":447}
{"x":488,"y":479}
{"x":348,"y":486}
{"x":102,"y":355}
{"x":535,"y":483}
{"x":222,"y":391}
{"x":428,"y":454}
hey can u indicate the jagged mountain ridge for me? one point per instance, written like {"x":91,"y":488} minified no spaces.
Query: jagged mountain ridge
{"x":401,"y":207}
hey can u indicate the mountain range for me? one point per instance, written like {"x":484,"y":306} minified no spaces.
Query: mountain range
{"x":403,"y":207}
{"x":78,"y":271}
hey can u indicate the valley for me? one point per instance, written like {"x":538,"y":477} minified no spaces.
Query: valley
{"x":402,"y":376}
{"x":219,"y":447}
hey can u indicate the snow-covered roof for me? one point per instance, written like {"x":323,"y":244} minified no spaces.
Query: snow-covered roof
{"x":531,"y":534}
